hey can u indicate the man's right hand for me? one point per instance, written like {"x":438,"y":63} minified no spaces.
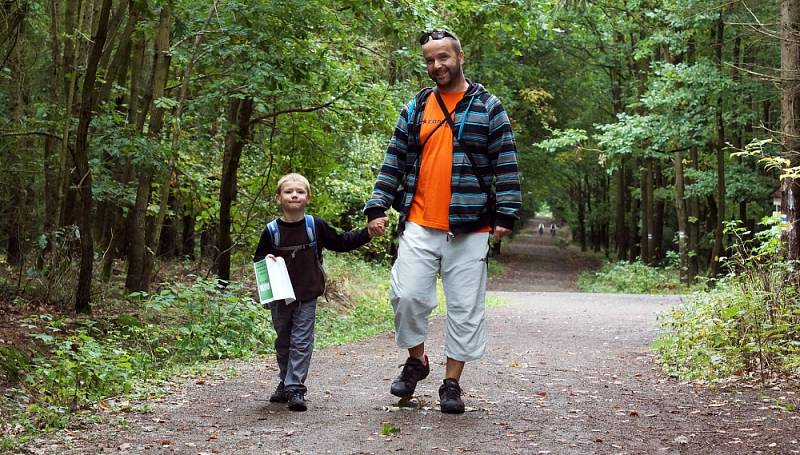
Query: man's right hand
{"x":377,"y":226}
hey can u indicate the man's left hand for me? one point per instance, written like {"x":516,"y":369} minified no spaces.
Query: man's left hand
{"x":500,"y":232}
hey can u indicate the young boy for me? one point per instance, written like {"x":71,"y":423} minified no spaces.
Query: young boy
{"x":294,"y":323}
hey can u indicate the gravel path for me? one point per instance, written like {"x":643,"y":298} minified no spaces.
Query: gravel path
{"x":565,"y":373}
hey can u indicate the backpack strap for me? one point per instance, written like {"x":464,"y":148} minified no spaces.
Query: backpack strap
{"x":411,"y":107}
{"x":274,"y":233}
{"x":311,"y":233}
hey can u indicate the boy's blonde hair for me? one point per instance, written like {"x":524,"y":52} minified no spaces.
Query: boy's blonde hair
{"x":293,"y":177}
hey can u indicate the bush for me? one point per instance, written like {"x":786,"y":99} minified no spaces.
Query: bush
{"x":749,"y":324}
{"x":632,"y":278}
{"x":211,"y":322}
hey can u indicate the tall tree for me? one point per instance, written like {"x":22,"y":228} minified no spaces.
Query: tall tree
{"x":81,"y":160}
{"x":790,"y":118}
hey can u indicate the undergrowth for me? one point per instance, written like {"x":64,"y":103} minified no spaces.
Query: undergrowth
{"x":634,"y":278}
{"x":132,"y":345}
{"x":748,"y":325}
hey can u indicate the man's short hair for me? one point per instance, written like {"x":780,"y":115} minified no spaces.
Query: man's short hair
{"x":292,"y":177}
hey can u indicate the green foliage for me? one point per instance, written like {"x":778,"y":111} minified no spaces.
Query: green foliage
{"x":748,"y":324}
{"x":212,"y":322}
{"x":81,"y":362}
{"x":369,"y":312}
{"x":632,"y":278}
{"x":389,"y":430}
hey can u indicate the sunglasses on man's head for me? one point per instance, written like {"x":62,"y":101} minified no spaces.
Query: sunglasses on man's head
{"x":434,"y":35}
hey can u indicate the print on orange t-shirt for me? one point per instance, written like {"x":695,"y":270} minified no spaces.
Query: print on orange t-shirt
{"x":431,"y":204}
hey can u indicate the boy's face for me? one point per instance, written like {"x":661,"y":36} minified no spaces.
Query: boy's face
{"x":293,"y":197}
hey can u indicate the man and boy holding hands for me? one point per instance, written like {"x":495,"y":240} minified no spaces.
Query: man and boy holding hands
{"x":451,"y":172}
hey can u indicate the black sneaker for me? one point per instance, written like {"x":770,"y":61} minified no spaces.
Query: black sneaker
{"x":297,"y":401}
{"x":279,"y":395}
{"x":450,"y":397}
{"x":414,"y":370}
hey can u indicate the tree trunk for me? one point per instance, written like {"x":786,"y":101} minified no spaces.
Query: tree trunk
{"x":167,"y":182}
{"x":633,"y":227}
{"x":790,"y":120}
{"x":239,"y":113}
{"x":14,"y":154}
{"x":140,"y":256}
{"x":73,"y":14}
{"x":581,"y":201}
{"x":208,"y":243}
{"x":168,"y":242}
{"x":717,"y":252}
{"x":694,"y":225}
{"x":620,"y":203}
{"x":161,"y":73}
{"x":647,"y":236}
{"x":52,"y":158}
{"x":120,"y":63}
{"x":187,"y":237}
{"x":681,"y":213}
{"x":137,"y":230}
{"x":658,"y":216}
{"x":83,"y":294}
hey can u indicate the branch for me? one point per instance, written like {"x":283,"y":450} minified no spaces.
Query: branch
{"x":29,"y":133}
{"x":261,"y":118}
{"x":762,"y":76}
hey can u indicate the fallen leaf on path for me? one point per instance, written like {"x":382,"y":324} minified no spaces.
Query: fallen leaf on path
{"x":211,"y":437}
{"x":681,"y":440}
{"x":633,"y":413}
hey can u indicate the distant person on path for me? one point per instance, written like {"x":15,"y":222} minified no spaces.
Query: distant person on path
{"x":291,"y":238}
{"x":463,"y":189}
{"x":553,"y":229}
{"x":541,"y":229}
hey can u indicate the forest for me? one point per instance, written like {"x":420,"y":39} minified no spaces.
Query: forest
{"x":143,"y":139}
{"x":139,"y":132}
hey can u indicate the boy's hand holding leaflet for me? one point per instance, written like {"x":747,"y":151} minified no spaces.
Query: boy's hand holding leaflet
{"x":272,"y":280}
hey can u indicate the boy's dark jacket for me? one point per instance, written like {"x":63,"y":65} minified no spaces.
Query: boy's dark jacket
{"x":307,"y":278}
{"x":483,"y":129}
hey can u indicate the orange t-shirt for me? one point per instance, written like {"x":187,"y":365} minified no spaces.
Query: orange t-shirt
{"x":431,"y":204}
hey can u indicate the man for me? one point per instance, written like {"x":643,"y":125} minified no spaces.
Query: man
{"x":454,"y":179}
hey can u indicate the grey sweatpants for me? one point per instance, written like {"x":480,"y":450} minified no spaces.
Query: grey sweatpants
{"x":294,"y":343}
{"x":423,"y":253}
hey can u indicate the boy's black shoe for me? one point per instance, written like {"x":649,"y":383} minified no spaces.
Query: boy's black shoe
{"x":450,"y":397}
{"x":279,"y":395}
{"x":414,"y":370}
{"x":297,"y":401}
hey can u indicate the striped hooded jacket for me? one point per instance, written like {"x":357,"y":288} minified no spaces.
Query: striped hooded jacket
{"x":482,"y":127}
